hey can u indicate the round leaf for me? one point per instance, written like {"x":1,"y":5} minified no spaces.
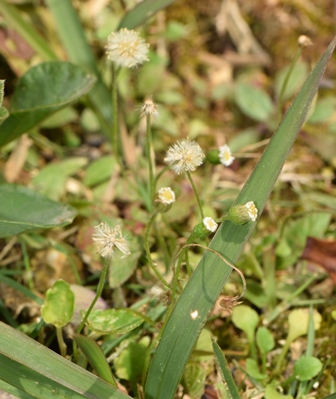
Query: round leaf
{"x":194,"y":379}
{"x":246,"y":319}
{"x":23,"y":209}
{"x":298,"y":323}
{"x":307,"y":367}
{"x":59,"y":305}
{"x":265,"y":340}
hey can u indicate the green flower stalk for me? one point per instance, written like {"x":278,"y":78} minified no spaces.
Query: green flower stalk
{"x":106,"y":239}
{"x":124,"y":48}
{"x":150,"y":112}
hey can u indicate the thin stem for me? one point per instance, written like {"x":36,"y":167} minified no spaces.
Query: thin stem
{"x":26,"y":261}
{"x":196,"y":194}
{"x":60,"y":341}
{"x":98,"y":294}
{"x":115,"y":135}
{"x":149,"y":256}
{"x":149,"y":158}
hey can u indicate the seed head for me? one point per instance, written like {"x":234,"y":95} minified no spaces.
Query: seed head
{"x":225,"y":155}
{"x":184,"y":156}
{"x":149,"y":109}
{"x":126,"y":48}
{"x":107,"y":238}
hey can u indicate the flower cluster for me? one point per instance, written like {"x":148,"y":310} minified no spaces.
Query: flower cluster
{"x":184,"y":156}
{"x":107,"y":238}
{"x":126,"y":48}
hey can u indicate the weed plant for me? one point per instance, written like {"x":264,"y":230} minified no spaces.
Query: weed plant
{"x":159,"y":238}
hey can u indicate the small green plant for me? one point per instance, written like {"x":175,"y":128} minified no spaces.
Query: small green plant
{"x":160,"y":340}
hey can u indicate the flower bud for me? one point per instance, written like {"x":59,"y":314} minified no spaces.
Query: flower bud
{"x":202,"y":230}
{"x":241,"y":214}
{"x":164,"y":199}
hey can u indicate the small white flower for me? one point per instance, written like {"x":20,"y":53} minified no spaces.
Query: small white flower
{"x":210,"y":224}
{"x":126,"y":48}
{"x":166,"y":196}
{"x":107,"y":238}
{"x":252,"y":210}
{"x":184,"y":156}
{"x":225,"y":155}
{"x":149,"y":109}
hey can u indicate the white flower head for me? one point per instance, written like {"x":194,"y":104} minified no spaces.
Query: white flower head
{"x":210,"y":224}
{"x":225,"y":155}
{"x":126,"y":48}
{"x":252,"y":211}
{"x":149,"y":109}
{"x":107,"y":238}
{"x":166,"y":196}
{"x":184,"y":156}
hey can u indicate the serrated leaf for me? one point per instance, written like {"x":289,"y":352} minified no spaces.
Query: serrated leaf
{"x":23,"y":209}
{"x":59,"y":304}
{"x":42,"y":90}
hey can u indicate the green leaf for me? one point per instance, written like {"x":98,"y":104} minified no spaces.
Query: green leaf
{"x":194,"y":379}
{"x":252,"y":370}
{"x":99,"y":170}
{"x":207,"y":281}
{"x":272,"y":393}
{"x":23,"y":209}
{"x":42,"y":90}
{"x":253,"y":102}
{"x":307,"y":367}
{"x":96,"y":357}
{"x":51,"y":180}
{"x":298,"y":320}
{"x":246,"y":319}
{"x":130,"y":363}
{"x":142,"y":11}
{"x":265,"y":340}
{"x":114,"y":321}
{"x":297,"y":76}
{"x":44,"y":374}
{"x":225,"y":371}
{"x":59,"y":304}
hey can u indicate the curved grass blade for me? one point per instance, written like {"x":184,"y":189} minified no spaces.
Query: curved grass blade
{"x":142,"y":11}
{"x":225,"y":372}
{"x":208,"y":279}
{"x":96,"y":357}
{"x":33,"y":370}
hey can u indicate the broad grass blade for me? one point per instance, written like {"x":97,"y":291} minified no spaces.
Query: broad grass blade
{"x":33,"y":370}
{"x":207,"y":281}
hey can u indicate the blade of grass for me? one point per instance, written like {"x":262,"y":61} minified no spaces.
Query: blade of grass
{"x":225,"y":371}
{"x":96,"y":357}
{"x":142,"y":11}
{"x":72,"y":35}
{"x":26,"y":30}
{"x":33,"y":369}
{"x":203,"y":288}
